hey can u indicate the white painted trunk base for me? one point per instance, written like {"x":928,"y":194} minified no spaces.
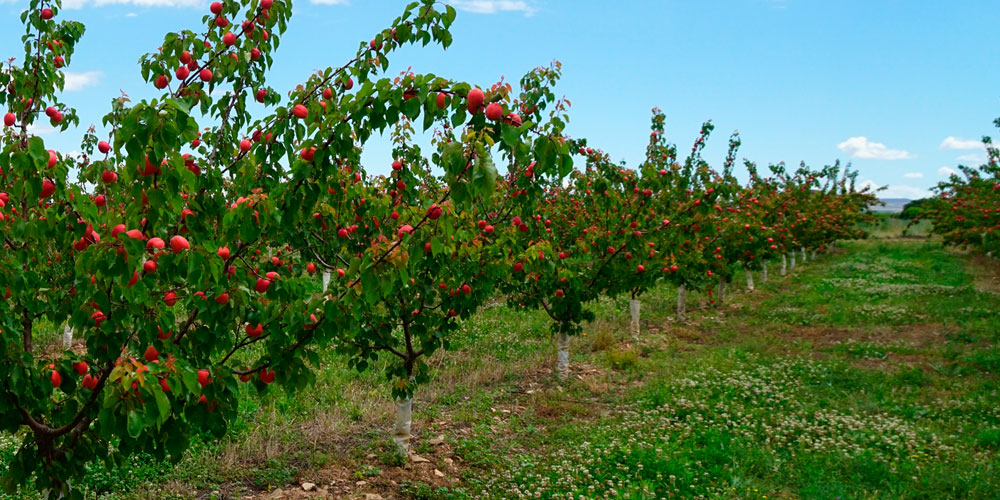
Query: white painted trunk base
{"x":813,"y":257}
{"x":750,"y":280}
{"x":721,"y":291}
{"x":791,"y":264}
{"x":763,"y":272}
{"x":633,"y":306}
{"x":67,"y":336}
{"x":563,"y":356}
{"x":784,"y":264}
{"x":803,"y":255}
{"x":681,"y":302}
{"x":326,"y":281}
{"x":404,"y":420}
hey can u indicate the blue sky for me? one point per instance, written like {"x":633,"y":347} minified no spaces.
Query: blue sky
{"x":903,"y":90}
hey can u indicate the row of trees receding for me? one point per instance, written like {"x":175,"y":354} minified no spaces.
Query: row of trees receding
{"x":186,"y":246}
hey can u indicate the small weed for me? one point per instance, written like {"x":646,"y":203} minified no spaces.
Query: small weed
{"x":622,"y":359}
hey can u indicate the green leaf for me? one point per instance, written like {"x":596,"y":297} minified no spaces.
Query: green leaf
{"x":162,"y":404}
{"x":134,"y":425}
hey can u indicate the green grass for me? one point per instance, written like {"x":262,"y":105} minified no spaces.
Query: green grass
{"x":868,"y":373}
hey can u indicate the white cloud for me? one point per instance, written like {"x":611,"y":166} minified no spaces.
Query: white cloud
{"x":952,"y":142}
{"x":131,"y":14}
{"x":946,"y":171}
{"x":972,"y":158}
{"x":896,"y":190}
{"x":40,"y":129}
{"x":79,"y":4}
{"x":861,"y":147}
{"x":330,"y":2}
{"x":913,"y":175}
{"x":494,"y":6}
{"x":79,"y":81}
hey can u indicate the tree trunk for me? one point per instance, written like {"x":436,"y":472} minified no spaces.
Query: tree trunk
{"x":763,"y":272}
{"x":326,"y":281}
{"x":404,"y":420}
{"x":563,"y":355}
{"x":813,"y":256}
{"x":721,"y":290}
{"x":681,"y":303}
{"x":784,"y":264}
{"x":803,"y":254}
{"x":791,"y":265}
{"x":27,"y":324}
{"x":750,"y":280}
{"x":633,"y":306}
{"x":67,"y":334}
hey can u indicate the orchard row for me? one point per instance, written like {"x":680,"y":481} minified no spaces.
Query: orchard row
{"x":194,"y":257}
{"x":966,"y":210}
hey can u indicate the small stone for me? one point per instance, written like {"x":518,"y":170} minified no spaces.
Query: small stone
{"x":449,"y":462}
{"x":360,"y":483}
{"x":277,"y":494}
{"x":371,"y":455}
{"x":373,"y":496}
{"x":417,"y":459}
{"x":308,"y":486}
{"x":438,"y":473}
{"x":438,"y":441}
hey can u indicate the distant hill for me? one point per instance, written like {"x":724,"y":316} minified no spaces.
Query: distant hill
{"x":892,"y":205}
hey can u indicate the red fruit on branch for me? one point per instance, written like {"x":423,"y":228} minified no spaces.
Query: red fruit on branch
{"x":179,"y":243}
{"x":255,"y":331}
{"x":204,"y":377}
{"x":494,"y":111}
{"x":474,"y":101}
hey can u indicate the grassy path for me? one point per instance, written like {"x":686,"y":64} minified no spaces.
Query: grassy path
{"x":869,"y":373}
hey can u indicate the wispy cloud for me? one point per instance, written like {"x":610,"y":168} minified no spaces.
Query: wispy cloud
{"x":79,"y":4}
{"x":972,"y":158}
{"x":913,"y":175}
{"x":330,"y":2}
{"x":40,"y":129}
{"x":861,"y":147}
{"x":79,"y":81}
{"x":946,"y":171}
{"x":494,"y":6}
{"x":896,"y":190}
{"x":952,"y":142}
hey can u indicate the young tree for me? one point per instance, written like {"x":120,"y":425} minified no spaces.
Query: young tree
{"x":160,"y":256}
